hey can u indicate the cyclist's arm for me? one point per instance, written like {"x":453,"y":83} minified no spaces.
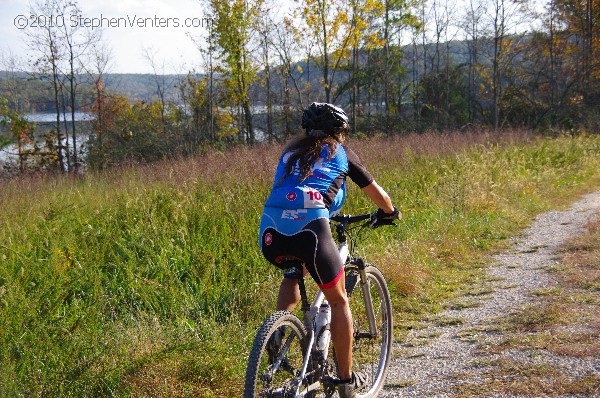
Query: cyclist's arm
{"x":379,"y":196}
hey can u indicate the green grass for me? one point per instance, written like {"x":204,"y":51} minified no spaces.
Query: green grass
{"x":147,"y":281}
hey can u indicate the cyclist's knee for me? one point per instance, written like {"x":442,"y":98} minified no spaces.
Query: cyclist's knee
{"x":336,"y":295}
{"x":341,"y":303}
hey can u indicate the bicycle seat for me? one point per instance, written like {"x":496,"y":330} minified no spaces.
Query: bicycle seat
{"x":293,"y":268}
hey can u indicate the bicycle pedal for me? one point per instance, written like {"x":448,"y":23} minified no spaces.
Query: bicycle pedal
{"x":332,"y":380}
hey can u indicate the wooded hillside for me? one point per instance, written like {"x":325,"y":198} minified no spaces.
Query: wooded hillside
{"x":394,"y":66}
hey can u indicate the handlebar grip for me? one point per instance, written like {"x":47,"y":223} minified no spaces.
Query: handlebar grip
{"x":352,"y":219}
{"x":379,"y":223}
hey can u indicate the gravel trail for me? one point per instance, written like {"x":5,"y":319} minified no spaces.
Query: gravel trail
{"x":434,"y":360}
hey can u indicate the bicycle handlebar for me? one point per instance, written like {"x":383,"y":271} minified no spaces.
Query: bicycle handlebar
{"x":349,"y":219}
{"x":374,"y":222}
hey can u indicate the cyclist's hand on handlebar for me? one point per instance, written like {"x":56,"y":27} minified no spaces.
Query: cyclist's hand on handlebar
{"x":383,"y":218}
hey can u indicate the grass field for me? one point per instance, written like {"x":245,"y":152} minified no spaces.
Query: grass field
{"x":147,"y":281}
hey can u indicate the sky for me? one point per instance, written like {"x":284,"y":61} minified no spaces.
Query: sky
{"x":130,"y":28}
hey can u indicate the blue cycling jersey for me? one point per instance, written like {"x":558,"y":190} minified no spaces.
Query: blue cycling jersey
{"x":293,"y":202}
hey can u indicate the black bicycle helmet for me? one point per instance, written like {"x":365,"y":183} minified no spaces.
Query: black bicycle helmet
{"x":324,"y":117}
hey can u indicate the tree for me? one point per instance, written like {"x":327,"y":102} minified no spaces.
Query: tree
{"x":235,"y":22}
{"x":100,"y":63}
{"x":396,"y":17}
{"x":10,"y":65}
{"x":45,"y":45}
{"x":60,"y":49}
{"x":77,"y":42}
{"x":504,"y":16}
{"x":291,"y":41}
{"x":265,"y":28}
{"x":437,"y":64}
{"x":581,"y":21}
{"x":208,"y":49}
{"x":359,"y":40}
{"x":20,"y":132}
{"x":473,"y":30}
{"x":329,"y":23}
{"x":445,"y":87}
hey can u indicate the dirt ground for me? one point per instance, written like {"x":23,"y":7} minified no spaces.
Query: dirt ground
{"x":531,"y":328}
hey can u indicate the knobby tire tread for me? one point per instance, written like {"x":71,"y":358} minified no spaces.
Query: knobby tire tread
{"x":259,"y":347}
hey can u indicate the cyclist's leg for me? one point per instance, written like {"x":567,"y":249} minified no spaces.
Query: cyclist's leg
{"x":341,"y":326}
{"x":289,"y":294}
{"x":328,"y":270}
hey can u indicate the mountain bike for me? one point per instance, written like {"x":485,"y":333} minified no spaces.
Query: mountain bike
{"x":293,"y":358}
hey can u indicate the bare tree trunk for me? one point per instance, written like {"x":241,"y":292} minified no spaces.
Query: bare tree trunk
{"x":72,"y":87}
{"x":67,"y":146}
{"x":354,"y":87}
{"x":56,"y":89}
{"x":386,"y":67}
{"x":269,"y":131}
{"x":498,"y":43}
{"x":588,"y":49}
{"x":325,"y":54}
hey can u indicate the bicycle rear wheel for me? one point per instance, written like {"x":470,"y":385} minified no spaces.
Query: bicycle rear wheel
{"x":276,"y":357}
{"x":371,"y":353}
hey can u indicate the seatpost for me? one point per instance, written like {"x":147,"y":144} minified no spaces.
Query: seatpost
{"x":340,"y":229}
{"x":303,"y":296}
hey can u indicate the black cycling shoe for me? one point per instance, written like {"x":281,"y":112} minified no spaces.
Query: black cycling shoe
{"x":349,"y":389}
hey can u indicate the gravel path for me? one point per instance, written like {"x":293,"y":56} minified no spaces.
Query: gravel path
{"x":434,"y":360}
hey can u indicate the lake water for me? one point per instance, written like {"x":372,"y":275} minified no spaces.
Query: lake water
{"x":51,"y":117}
{"x":44,"y":120}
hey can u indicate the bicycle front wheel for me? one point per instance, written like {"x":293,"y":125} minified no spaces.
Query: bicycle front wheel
{"x":371,"y":352}
{"x":276,"y":357}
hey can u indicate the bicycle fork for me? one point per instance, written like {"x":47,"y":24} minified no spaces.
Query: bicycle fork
{"x":365,"y":286}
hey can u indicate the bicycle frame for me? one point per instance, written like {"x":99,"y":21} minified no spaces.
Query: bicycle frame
{"x":310,"y":310}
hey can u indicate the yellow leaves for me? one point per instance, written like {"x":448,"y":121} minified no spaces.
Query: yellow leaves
{"x":374,"y":41}
{"x":374,"y":7}
{"x":299,"y":69}
{"x":226,"y":124}
{"x":63,"y":259}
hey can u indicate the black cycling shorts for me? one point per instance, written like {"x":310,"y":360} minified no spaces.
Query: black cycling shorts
{"x":313,"y":245}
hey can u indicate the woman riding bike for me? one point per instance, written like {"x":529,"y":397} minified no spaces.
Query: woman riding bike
{"x":309,"y":188}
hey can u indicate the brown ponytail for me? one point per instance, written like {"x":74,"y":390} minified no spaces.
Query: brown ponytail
{"x":307,"y":150}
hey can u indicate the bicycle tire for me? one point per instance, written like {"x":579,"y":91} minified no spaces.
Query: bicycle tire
{"x":261,"y":380}
{"x":370,"y":355}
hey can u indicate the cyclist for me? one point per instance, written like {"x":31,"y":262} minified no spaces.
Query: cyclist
{"x":309,"y":188}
